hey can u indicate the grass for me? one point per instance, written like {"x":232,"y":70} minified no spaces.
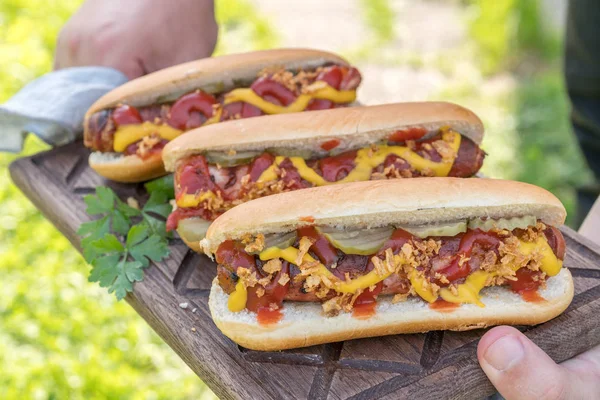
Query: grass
{"x":61,"y":336}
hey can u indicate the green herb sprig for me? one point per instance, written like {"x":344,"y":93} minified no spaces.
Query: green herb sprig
{"x":121,"y":243}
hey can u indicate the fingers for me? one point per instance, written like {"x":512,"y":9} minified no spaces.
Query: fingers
{"x":521,"y":370}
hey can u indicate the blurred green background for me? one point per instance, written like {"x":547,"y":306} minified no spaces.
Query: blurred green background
{"x":62,"y":337}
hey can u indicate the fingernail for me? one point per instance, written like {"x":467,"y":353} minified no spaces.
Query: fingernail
{"x":504,"y":352}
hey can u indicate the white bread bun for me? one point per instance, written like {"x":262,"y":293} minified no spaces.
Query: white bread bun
{"x":212,"y":75}
{"x":303,"y":324}
{"x":353,"y":126}
{"x":122,"y":168}
{"x":388,"y":202}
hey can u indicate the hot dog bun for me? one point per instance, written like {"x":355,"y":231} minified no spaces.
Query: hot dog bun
{"x":211,"y":75}
{"x":373,"y":204}
{"x":122,"y":168}
{"x":303,"y":324}
{"x":353,"y":126}
{"x":417,"y":201}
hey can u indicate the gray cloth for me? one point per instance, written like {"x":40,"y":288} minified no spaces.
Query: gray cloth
{"x":53,"y":105}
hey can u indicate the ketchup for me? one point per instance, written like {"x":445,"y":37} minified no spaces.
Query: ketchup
{"x":259,"y":165}
{"x":526,"y":285}
{"x":324,"y":250}
{"x":442,"y":305}
{"x":232,"y":253}
{"x":157,"y":148}
{"x":126,"y":115}
{"x":291,"y":177}
{"x":192,"y":110}
{"x":272,"y":297}
{"x":193,"y":176}
{"x":487,"y":240}
{"x":332,"y":76}
{"x":396,"y":241}
{"x":330,"y":144}
{"x":183,"y":213}
{"x":239,"y":109}
{"x":266,"y":316}
{"x":320,"y":104}
{"x":337,"y":167}
{"x":364,"y":306}
{"x":407,"y":134}
{"x":273,"y":91}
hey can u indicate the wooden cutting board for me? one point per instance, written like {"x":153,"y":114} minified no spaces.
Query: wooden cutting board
{"x":432,"y":365}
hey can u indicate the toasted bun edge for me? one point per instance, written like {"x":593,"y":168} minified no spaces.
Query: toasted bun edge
{"x":128,"y":169}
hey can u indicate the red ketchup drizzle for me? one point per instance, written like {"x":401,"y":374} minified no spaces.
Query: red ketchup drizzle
{"x":240,"y":109}
{"x":259,"y":165}
{"x":324,"y":250}
{"x":330,"y":144}
{"x":193,"y":176}
{"x":407,"y":134}
{"x":442,"y":305}
{"x":364,"y":306}
{"x":337,"y":167}
{"x":351,"y":78}
{"x":273,"y":296}
{"x":231,"y":253}
{"x":191,"y":110}
{"x":291,"y":177}
{"x":126,"y":115}
{"x":273,"y":92}
{"x":526,"y":286}
{"x":395,"y":242}
{"x":184,"y":213}
{"x":486,"y":240}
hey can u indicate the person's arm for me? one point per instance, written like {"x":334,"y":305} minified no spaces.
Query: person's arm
{"x":137,"y":36}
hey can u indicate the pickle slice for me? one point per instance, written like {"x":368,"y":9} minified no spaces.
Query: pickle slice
{"x":291,"y":152}
{"x":193,"y":229}
{"x":449,"y":229}
{"x":280,"y":240}
{"x":503,"y":223}
{"x":226,"y":160}
{"x":363,"y":242}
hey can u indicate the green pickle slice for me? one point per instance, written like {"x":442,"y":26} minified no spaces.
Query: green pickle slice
{"x":194,"y":229}
{"x":280,"y":240}
{"x":363,"y":242}
{"x":503,"y":223}
{"x":226,"y":160}
{"x":449,"y":229}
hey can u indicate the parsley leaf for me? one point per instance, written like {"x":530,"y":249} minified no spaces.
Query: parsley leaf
{"x":91,"y":231}
{"x":144,"y":248}
{"x":106,"y":202}
{"x":157,"y":205}
{"x":162,"y":185}
{"x":124,"y":240}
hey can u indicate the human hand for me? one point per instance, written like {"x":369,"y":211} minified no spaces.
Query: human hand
{"x":137,"y":36}
{"x":521,"y":370}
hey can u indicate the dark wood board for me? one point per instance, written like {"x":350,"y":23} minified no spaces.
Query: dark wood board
{"x":413,"y":366}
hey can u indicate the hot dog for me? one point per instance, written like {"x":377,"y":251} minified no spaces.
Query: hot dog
{"x":220,"y":166}
{"x":378,"y":258}
{"x":128,"y":127}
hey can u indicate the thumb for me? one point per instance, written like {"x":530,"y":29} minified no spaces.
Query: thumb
{"x":521,"y":370}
